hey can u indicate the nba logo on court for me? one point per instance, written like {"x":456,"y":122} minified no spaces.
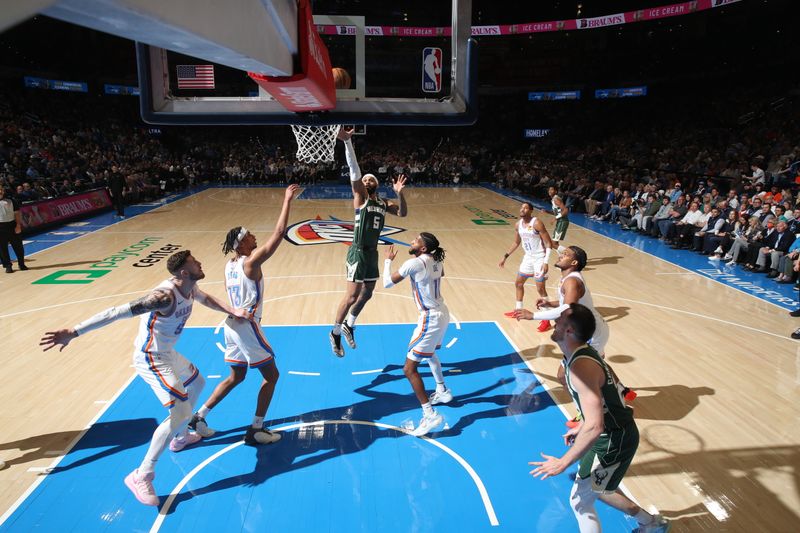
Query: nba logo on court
{"x":431,"y":70}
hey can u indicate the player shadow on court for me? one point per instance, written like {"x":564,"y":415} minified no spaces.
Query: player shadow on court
{"x":670,"y":402}
{"x":599,"y":261}
{"x":610,"y":314}
{"x":729,"y":480}
{"x":307,"y":446}
{"x":108,"y":438}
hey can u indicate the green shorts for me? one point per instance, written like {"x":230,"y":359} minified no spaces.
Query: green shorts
{"x":362,"y":264}
{"x":609,"y":458}
{"x":561,"y":229}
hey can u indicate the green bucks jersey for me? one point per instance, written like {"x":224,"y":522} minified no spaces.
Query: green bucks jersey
{"x":616,"y":415}
{"x":368,"y":224}
{"x":557,"y":211}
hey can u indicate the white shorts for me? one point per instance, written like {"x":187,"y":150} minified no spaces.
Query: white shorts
{"x":245,"y":344}
{"x":428,"y":335}
{"x":168,"y":373}
{"x":601,"y":334}
{"x":532,"y":267}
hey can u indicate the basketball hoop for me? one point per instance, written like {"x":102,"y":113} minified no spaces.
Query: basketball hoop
{"x":315,"y":144}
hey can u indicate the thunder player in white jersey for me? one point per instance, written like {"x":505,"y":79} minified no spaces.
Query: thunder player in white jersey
{"x":572,"y":289}
{"x":175,"y":381}
{"x":245,"y":344}
{"x":531,"y":233}
{"x":425,"y":272}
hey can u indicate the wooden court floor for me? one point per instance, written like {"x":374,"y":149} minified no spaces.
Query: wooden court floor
{"x":717,"y":376}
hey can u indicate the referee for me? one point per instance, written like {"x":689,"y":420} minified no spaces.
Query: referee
{"x":10,"y":232}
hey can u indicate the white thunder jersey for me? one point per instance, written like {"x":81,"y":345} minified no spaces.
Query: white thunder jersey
{"x":532,"y":241}
{"x":243,"y":292}
{"x":598,"y":342}
{"x":159,"y":333}
{"x":425,"y":275}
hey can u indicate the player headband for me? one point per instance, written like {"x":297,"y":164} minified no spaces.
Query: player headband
{"x":242,"y":233}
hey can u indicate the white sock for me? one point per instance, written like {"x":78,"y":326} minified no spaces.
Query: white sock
{"x":643,"y":517}
{"x":258,"y":422}
{"x":351,"y":319}
{"x":427,"y":410}
{"x":518,"y":305}
{"x":203,"y":411}
{"x":436,"y":370}
{"x":337,"y":329}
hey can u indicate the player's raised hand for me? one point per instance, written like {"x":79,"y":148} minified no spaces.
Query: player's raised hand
{"x":51,"y":339}
{"x":390,"y":253}
{"x":344,"y":134}
{"x":291,"y":190}
{"x":399,"y":183}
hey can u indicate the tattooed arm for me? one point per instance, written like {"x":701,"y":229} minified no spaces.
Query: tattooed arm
{"x":158,"y":300}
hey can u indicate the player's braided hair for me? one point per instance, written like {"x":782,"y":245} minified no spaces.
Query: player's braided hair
{"x":230,"y":240}
{"x":432,"y":244}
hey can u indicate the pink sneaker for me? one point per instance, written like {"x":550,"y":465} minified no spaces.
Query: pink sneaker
{"x":142,"y":487}
{"x":179,"y":443}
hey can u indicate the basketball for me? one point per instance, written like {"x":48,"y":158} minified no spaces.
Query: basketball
{"x":341,"y":79}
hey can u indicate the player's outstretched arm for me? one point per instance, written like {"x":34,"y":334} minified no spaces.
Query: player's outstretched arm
{"x":359,"y":190}
{"x":389,"y":277}
{"x":398,"y":184}
{"x":157,"y":300}
{"x":212,"y":302}
{"x":265,"y":251}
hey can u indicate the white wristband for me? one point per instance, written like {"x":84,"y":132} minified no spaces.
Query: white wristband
{"x":547,"y":254}
{"x":103,"y":318}
{"x":387,"y":274}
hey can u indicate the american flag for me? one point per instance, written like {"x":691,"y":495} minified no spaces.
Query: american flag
{"x":195,"y":76}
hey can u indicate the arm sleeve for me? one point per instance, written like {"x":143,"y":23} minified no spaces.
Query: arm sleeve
{"x":352,"y":162}
{"x":104,"y":318}
{"x":387,"y":274}
{"x":550,"y":314}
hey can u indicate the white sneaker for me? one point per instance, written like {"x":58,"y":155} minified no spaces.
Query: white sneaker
{"x":730,"y":263}
{"x":427,"y":423}
{"x":714,"y":258}
{"x":658,"y":525}
{"x":718,"y":250}
{"x":727,"y":257}
{"x":446,"y":396}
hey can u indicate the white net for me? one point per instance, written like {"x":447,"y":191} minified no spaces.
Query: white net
{"x":315,"y":143}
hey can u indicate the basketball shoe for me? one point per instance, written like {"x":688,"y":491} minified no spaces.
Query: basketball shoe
{"x":349,"y":333}
{"x":544,"y":325}
{"x":261,"y":436}
{"x":179,"y":443}
{"x":445,"y":396}
{"x":336,"y":344}
{"x":427,"y":423}
{"x":199,"y":426}
{"x":142,"y":487}
{"x":658,"y":525}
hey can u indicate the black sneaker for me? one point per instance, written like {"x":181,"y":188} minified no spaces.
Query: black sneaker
{"x":796,"y":334}
{"x":261,"y":436}
{"x":349,"y":335}
{"x":795,"y":313}
{"x":199,"y":426}
{"x":336,"y":344}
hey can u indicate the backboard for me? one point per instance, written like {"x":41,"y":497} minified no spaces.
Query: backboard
{"x":399,"y":78}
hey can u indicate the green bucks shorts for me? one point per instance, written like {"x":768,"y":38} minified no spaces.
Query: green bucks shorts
{"x":609,"y":458}
{"x":362,"y":264}
{"x":561,"y":229}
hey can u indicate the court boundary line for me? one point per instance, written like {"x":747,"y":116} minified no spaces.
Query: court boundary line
{"x":40,"y":479}
{"x":487,"y":503}
{"x":698,"y":274}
